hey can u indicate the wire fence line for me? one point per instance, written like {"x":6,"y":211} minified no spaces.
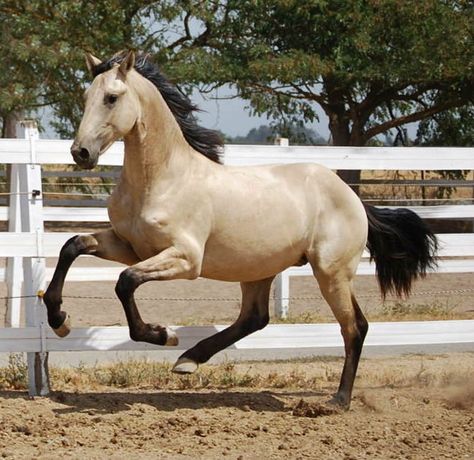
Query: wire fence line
{"x":238,"y":299}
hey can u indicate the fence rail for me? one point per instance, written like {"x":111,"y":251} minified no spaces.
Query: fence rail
{"x":281,"y":336}
{"x":27,"y":246}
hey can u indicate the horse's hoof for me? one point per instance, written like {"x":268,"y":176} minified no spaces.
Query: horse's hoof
{"x":185,"y":366}
{"x":65,"y":328}
{"x":171,"y":338}
{"x":339,"y":403}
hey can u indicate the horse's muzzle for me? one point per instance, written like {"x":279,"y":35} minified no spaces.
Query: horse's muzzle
{"x":83,"y":158}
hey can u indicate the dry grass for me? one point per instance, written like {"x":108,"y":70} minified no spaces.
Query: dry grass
{"x":390,"y":311}
{"x":411,"y":192}
{"x":306,"y":317}
{"x":15,"y":375}
{"x":314,"y":373}
{"x":158,"y":375}
{"x":402,"y":311}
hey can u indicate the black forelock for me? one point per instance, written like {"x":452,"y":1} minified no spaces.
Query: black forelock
{"x":205,"y":141}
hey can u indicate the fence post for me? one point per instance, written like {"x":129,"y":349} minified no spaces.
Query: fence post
{"x":281,"y":290}
{"x":282,"y":295}
{"x":31,"y":202}
{"x":14,"y":267}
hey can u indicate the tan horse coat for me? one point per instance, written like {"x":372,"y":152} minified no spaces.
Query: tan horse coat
{"x":175,"y":214}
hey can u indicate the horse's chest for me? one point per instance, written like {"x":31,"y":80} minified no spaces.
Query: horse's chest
{"x":148,"y":233}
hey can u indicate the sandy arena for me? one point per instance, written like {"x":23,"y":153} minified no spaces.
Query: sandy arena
{"x":409,"y":407}
{"x":412,"y":407}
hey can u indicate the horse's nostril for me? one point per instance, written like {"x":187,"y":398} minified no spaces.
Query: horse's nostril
{"x":84,"y":154}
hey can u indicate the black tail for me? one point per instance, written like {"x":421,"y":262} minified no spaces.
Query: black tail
{"x":402,"y":246}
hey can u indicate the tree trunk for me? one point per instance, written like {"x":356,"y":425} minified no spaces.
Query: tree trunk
{"x":9,"y":125}
{"x":351,"y":177}
{"x":10,"y":122}
{"x":340,"y":125}
{"x":341,"y":136}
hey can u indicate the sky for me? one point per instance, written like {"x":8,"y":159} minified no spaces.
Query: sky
{"x":231,"y":117}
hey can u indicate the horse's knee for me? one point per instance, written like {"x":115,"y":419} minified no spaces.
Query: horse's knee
{"x":76,"y":246}
{"x":126,"y":284}
{"x":190,"y":269}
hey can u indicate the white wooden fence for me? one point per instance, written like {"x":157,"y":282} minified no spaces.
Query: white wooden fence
{"x":27,"y":245}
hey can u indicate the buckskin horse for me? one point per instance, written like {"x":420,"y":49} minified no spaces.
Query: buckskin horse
{"x":178,"y":213}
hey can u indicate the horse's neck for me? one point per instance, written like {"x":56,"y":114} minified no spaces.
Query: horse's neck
{"x":155,"y":151}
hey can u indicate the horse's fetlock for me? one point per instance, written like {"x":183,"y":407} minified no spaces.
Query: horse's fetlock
{"x":57,"y":319}
{"x":135,"y":336}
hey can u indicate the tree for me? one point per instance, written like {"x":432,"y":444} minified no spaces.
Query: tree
{"x":450,"y":128}
{"x":42,"y":44}
{"x":371,"y":65}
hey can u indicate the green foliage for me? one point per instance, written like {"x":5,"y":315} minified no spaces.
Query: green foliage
{"x":43,"y":43}
{"x":450,"y":128}
{"x":371,"y":65}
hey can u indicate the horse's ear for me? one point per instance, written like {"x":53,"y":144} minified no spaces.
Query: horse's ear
{"x":128,"y":63}
{"x":92,"y":62}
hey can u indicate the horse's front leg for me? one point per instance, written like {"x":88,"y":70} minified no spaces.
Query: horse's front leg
{"x":105,"y":245}
{"x":167,"y":265}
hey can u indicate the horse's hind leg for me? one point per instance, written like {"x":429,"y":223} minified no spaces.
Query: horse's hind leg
{"x":253,"y":316}
{"x":105,"y":245}
{"x":337,"y":290}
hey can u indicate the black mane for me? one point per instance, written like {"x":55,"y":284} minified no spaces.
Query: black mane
{"x":205,"y":141}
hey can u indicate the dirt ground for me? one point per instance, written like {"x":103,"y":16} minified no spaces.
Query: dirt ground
{"x":412,"y":407}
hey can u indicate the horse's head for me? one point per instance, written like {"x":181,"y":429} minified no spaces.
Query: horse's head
{"x":111,"y":110}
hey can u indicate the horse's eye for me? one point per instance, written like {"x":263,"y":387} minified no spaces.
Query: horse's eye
{"x":110,"y":99}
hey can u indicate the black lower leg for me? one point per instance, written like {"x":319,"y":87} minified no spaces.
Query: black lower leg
{"x":353,"y":343}
{"x":53,"y":295}
{"x":205,"y":349}
{"x":253,"y":316}
{"x":139,"y":330}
